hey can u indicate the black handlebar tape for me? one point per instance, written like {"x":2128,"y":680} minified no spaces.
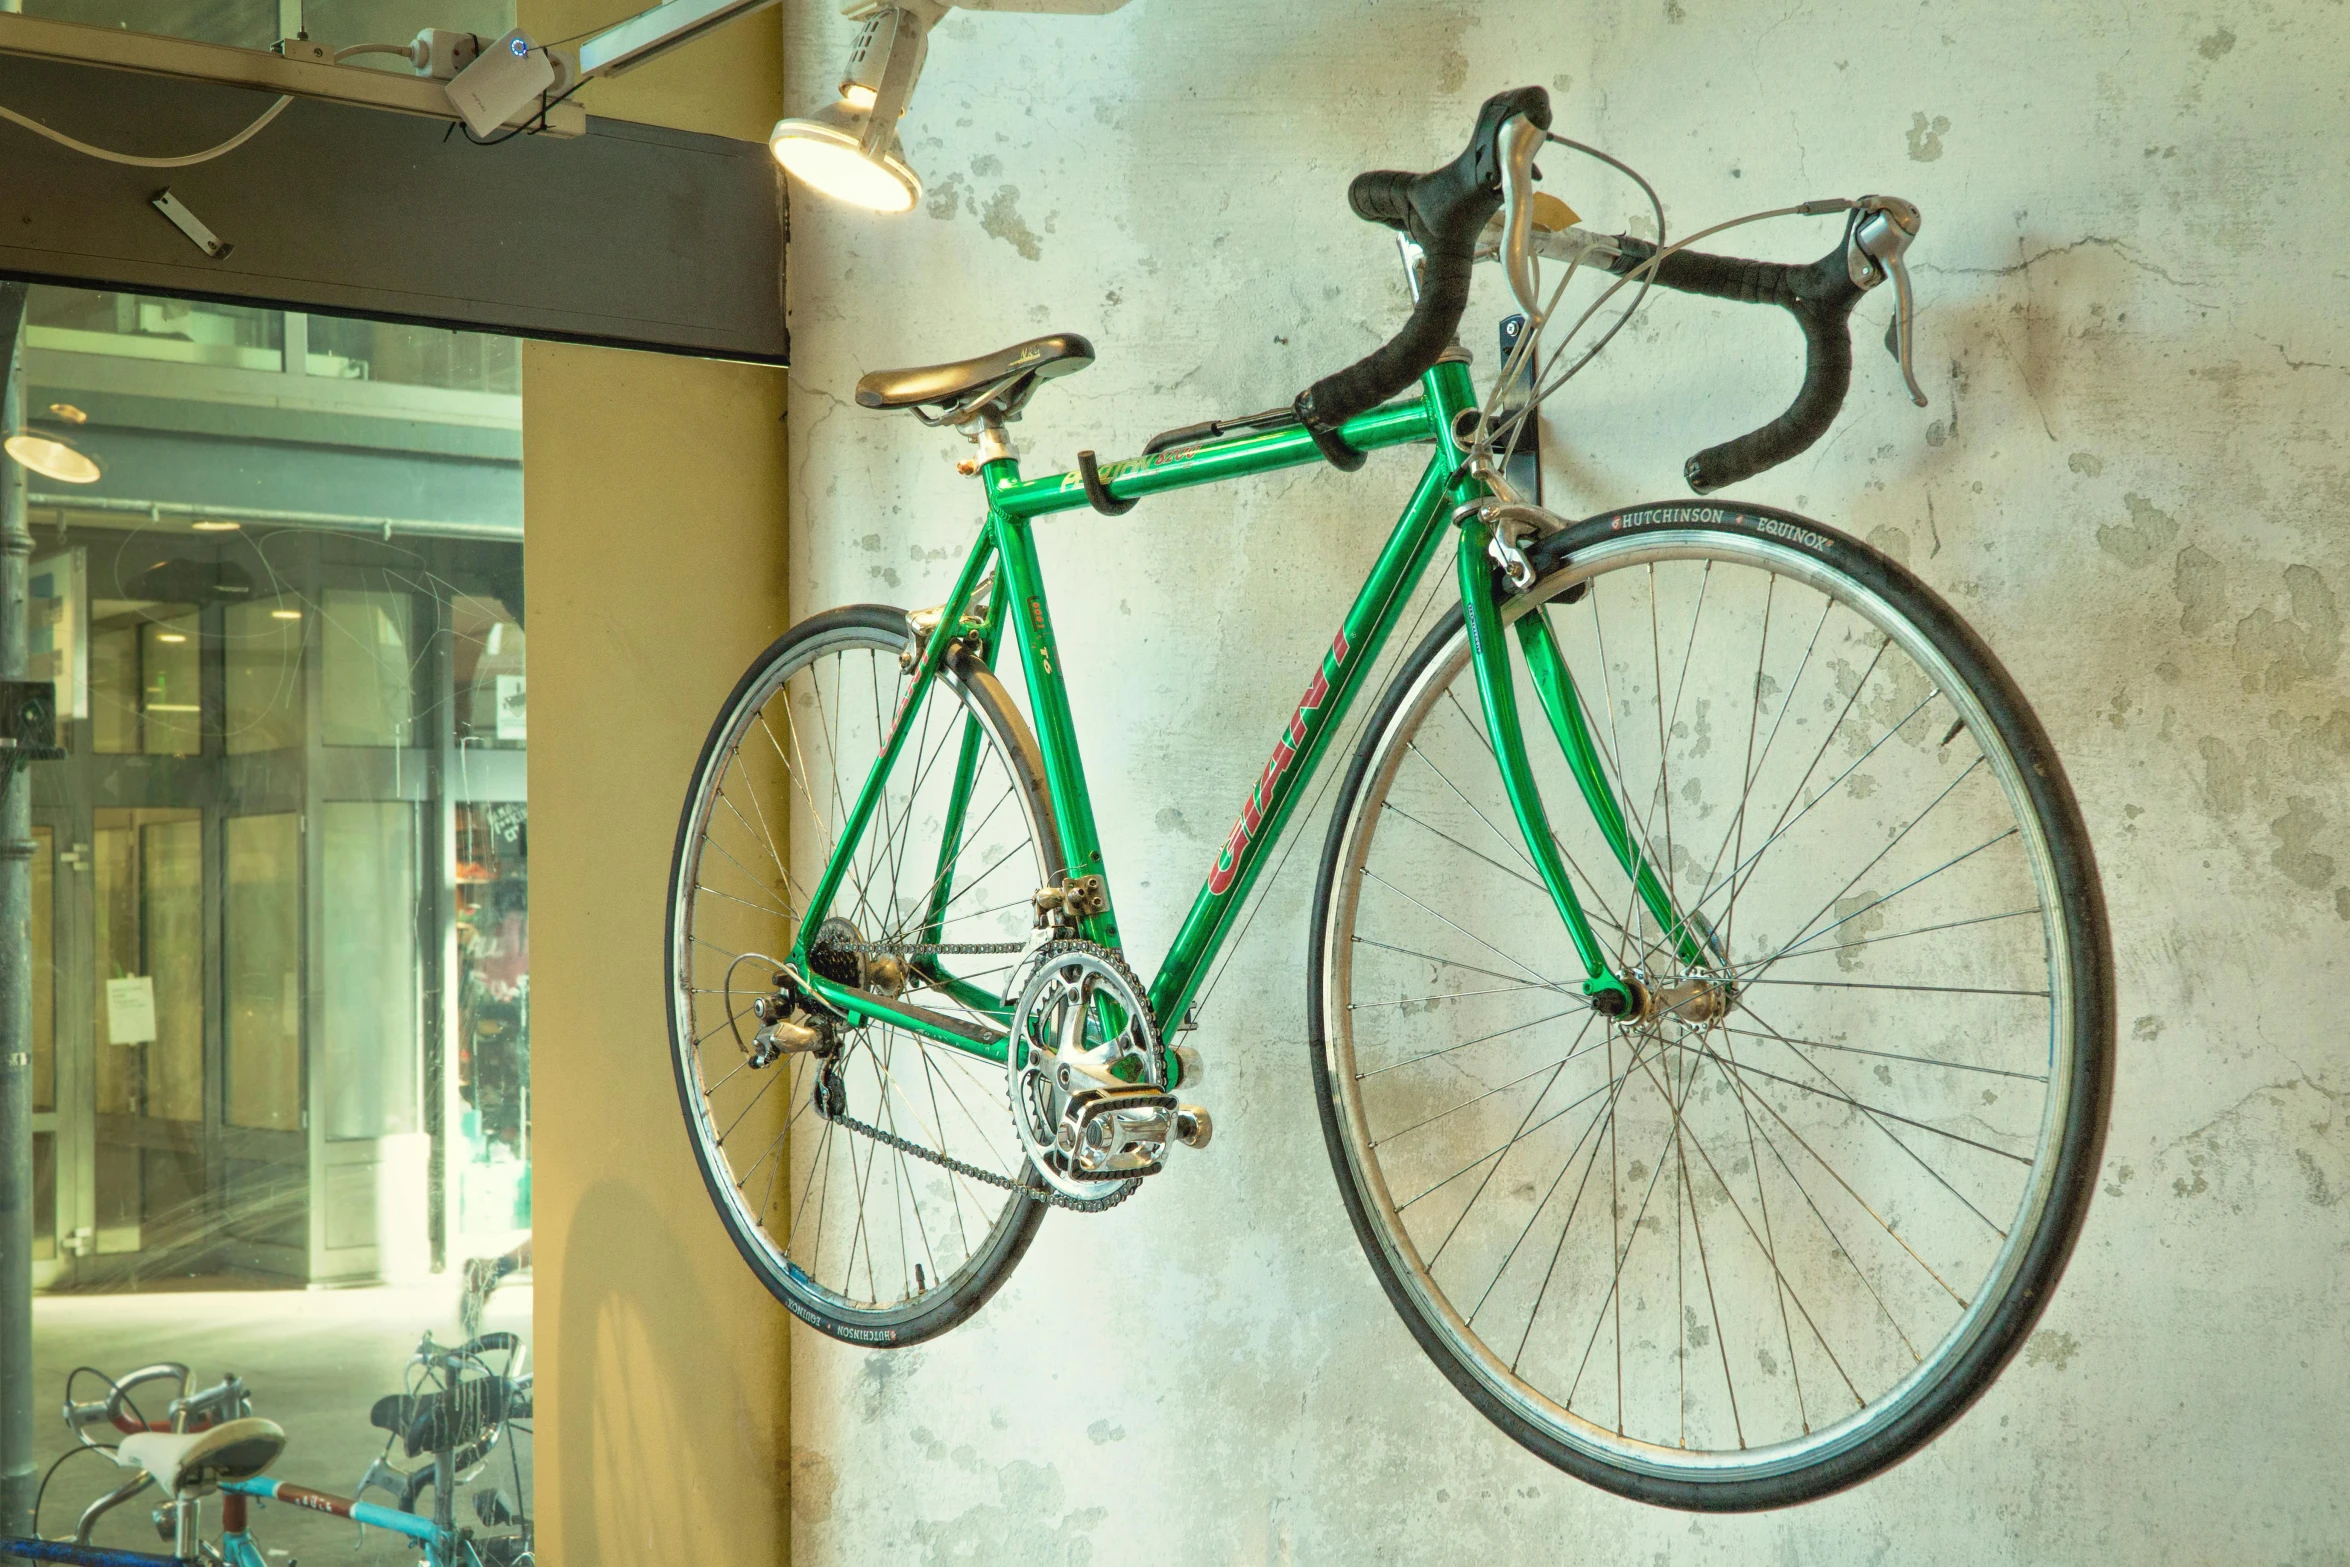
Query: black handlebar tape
{"x":1445,"y":211}
{"x":1382,"y":196}
{"x":1819,"y":296}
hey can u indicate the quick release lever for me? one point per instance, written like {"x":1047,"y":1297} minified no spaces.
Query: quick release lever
{"x":1881,"y":236}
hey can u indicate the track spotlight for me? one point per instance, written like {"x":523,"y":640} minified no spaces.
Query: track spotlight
{"x":849,"y":148}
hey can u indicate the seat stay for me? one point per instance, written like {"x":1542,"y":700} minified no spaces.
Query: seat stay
{"x":852,"y":828}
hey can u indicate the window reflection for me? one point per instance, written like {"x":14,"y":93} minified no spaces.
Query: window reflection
{"x":263,"y":655}
{"x":370,"y":1059}
{"x":264,"y":1086}
{"x":281,"y":889}
{"x":369,"y":697}
{"x":44,"y":960}
{"x":492,"y":694}
{"x":146,"y":692}
{"x":493,"y":1071}
{"x":413,"y":356}
{"x":180,"y":331}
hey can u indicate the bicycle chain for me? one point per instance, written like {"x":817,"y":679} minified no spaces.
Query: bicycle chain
{"x":1044,"y":1195}
{"x":928,"y":949}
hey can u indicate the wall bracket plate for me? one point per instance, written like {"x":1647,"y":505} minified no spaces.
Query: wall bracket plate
{"x":188,"y":223}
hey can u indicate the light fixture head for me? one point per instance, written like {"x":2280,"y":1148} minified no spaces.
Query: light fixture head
{"x":215,"y":525}
{"x":826,"y":151}
{"x":52,"y":457}
{"x":849,"y":148}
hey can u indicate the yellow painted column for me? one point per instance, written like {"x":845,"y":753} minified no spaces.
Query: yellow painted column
{"x":655,"y":546}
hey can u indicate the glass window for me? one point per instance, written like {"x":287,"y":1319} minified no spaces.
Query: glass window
{"x":320,"y":1091}
{"x":370,"y":1055}
{"x":493,"y":1003}
{"x":369,"y":696}
{"x":114,"y":690}
{"x":44,"y":1196}
{"x":493,"y":706}
{"x":182,"y":331}
{"x":116,"y":877}
{"x":146,"y":692}
{"x":171,"y":708}
{"x":44,"y":934}
{"x":264,"y":945}
{"x":414,"y":356}
{"x":149,"y":1034}
{"x":264,"y":657}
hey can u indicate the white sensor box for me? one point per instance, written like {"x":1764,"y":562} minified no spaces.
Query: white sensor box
{"x":501,"y":82}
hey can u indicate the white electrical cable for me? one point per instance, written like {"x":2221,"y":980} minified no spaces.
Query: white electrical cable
{"x":206,"y":156}
{"x":404,"y":51}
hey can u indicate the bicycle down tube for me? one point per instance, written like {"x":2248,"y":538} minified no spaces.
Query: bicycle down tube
{"x":1017,"y":605}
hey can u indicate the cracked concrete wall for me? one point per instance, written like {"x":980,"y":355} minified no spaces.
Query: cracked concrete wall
{"x":2131,"y":481}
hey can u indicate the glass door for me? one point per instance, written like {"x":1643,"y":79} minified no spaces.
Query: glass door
{"x":149,"y":1174}
{"x":49,"y":1212}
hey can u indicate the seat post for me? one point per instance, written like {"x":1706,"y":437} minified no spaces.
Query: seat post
{"x":995,"y":445}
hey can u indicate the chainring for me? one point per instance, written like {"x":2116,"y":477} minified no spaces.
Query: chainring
{"x":1061,"y":1015}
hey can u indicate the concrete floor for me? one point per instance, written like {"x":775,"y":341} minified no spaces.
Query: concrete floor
{"x":315,"y":1360}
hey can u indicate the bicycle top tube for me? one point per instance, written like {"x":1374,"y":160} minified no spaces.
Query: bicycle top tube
{"x":372,"y":1514}
{"x":1395,"y":424}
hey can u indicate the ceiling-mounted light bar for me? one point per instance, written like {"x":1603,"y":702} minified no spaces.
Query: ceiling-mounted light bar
{"x":658,"y":31}
{"x":117,"y":48}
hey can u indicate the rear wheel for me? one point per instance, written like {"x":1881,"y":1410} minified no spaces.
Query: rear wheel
{"x":1730,"y":1257}
{"x":876,"y":1185}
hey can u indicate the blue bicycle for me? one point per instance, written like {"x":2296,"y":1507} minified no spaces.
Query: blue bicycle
{"x":456,"y":1411}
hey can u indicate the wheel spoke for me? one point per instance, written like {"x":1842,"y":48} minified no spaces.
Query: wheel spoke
{"x":1699,"y":1237}
{"x":838,"y":1204}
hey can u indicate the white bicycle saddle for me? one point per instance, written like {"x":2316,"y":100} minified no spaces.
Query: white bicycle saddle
{"x":200,"y":1460}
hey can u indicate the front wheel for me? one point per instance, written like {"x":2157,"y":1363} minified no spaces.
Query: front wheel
{"x":1746,"y":1252}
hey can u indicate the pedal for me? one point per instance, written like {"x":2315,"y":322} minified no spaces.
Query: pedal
{"x":1109,"y":1133}
{"x":1193,"y":1128}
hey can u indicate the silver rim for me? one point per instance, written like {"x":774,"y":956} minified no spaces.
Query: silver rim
{"x":862,"y":1231}
{"x":1740,"y":1248}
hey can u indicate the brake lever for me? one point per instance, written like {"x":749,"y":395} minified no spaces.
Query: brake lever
{"x":1521,"y":140}
{"x":1882,"y":230}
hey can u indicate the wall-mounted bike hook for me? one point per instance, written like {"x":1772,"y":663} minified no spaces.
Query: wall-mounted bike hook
{"x":1090,"y":475}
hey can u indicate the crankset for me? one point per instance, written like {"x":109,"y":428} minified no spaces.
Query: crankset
{"x":1088,"y":1079}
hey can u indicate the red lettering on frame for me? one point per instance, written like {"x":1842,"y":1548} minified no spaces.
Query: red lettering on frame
{"x":1285,"y":752}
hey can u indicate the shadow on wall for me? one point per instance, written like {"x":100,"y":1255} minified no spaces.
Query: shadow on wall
{"x":644,"y":1390}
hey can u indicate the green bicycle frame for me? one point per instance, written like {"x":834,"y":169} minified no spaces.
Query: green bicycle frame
{"x":1016,"y":605}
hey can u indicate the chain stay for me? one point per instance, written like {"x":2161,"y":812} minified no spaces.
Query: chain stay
{"x":1044,"y":1195}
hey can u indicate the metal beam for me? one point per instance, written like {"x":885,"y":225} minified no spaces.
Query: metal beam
{"x":655,"y":32}
{"x":224,"y":65}
{"x":635,"y":236}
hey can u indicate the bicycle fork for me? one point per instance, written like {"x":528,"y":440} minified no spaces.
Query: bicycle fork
{"x":1610,"y":993}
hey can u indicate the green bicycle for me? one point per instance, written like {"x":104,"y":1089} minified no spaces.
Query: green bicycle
{"x":1709,"y":986}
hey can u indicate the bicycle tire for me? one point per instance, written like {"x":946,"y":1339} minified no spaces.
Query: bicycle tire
{"x":2052,"y":856}
{"x":928,"y":1301}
